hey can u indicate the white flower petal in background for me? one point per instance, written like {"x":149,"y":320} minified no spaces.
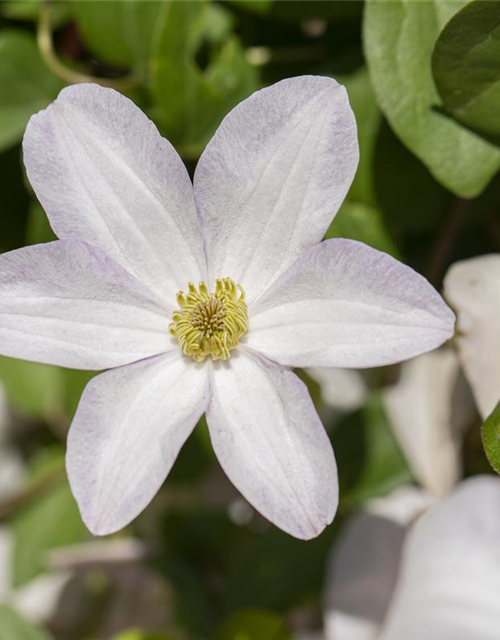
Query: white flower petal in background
{"x":126,"y":434}
{"x":67,"y":303}
{"x":364,"y":565}
{"x":344,"y":304}
{"x":450,"y":579}
{"x":342,"y":389}
{"x":473,"y":288}
{"x":429,"y":409}
{"x":273,"y":176}
{"x":270,"y":442}
{"x":103,"y":174}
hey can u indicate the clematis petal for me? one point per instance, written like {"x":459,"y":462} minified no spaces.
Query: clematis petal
{"x":127,"y":432}
{"x":473,"y":289}
{"x":430,"y":408}
{"x":450,"y":578}
{"x":344,"y":304}
{"x":105,"y":175}
{"x":273,"y":176}
{"x":272,"y":445}
{"x":364,"y":565}
{"x":67,"y":303}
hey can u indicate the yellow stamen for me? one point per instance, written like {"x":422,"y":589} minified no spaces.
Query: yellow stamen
{"x":210,"y":324}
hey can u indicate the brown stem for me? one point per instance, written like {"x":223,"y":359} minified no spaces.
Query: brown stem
{"x":444,"y":245}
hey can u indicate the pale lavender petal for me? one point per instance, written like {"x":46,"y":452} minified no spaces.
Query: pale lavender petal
{"x":127,"y":432}
{"x":450,"y":579}
{"x":105,"y":175}
{"x":273,"y":177}
{"x":344,"y":304}
{"x":272,"y":445}
{"x":67,"y":303}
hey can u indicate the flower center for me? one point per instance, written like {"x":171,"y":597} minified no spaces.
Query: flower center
{"x":210,"y":324}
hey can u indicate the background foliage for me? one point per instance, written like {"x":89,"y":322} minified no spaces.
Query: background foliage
{"x":424,"y":82}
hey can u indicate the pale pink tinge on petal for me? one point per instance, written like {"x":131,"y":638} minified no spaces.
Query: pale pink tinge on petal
{"x":67,"y":303}
{"x":105,"y":175}
{"x":270,"y":442}
{"x":273,"y":177}
{"x":344,"y":304}
{"x":126,"y":434}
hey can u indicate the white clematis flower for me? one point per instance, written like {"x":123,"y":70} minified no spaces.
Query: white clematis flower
{"x":261,"y":293}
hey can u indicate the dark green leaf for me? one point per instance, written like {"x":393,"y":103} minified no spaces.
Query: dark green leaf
{"x":369,"y":460}
{"x":490,"y":433}
{"x":466,"y":66}
{"x":296,"y":11}
{"x":193,"y":100}
{"x":27,"y":84}
{"x":368,"y":119}
{"x":399,"y":38}
{"x":14,"y":627}
{"x":364,"y":223}
{"x":254,"y":625}
{"x":38,"y":227}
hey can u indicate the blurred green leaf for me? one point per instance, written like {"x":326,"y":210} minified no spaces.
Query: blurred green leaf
{"x":399,"y":37}
{"x":490,"y":433}
{"x":38,"y":228}
{"x":137,"y":634}
{"x":28,"y":10}
{"x":466,"y":66}
{"x":193,"y":100}
{"x":364,"y":223}
{"x":14,"y":627}
{"x":35,"y":389}
{"x":119,"y":33}
{"x":254,"y":625}
{"x":369,"y":460}
{"x":14,"y":200}
{"x":51,"y":520}
{"x":27,"y":84}
{"x":368,"y":119}
{"x":291,"y":570}
{"x":297,"y":10}
{"x":256,"y":6}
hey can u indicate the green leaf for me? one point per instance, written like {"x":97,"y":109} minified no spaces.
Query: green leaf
{"x":192,"y":101}
{"x":254,"y":625}
{"x":368,"y":119}
{"x":364,"y":223}
{"x":466,"y":66}
{"x":38,"y":228}
{"x":490,"y":433}
{"x":51,"y":520}
{"x":119,"y":33}
{"x":28,"y":85}
{"x":399,"y":38}
{"x":35,"y":389}
{"x":289,"y":10}
{"x":369,"y":460}
{"x":14,"y":627}
{"x":137,"y":634}
{"x":28,"y":10}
